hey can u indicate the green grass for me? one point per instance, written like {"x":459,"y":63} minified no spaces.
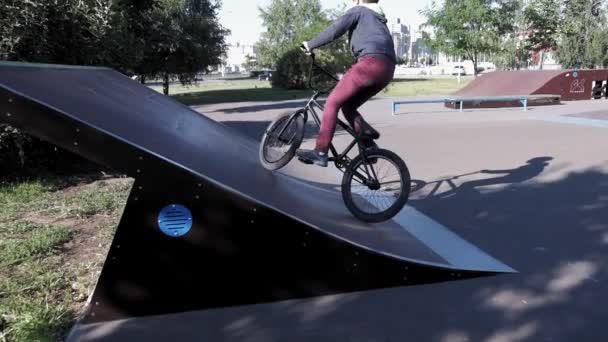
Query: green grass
{"x":240,"y":95}
{"x":44,"y":279}
{"x":424,"y":86}
{"x":226,"y":91}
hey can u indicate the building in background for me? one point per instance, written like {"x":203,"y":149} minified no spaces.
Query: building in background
{"x":236,"y":58}
{"x":401,"y":39}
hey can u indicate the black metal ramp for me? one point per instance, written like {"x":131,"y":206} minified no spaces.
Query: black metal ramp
{"x":205,"y":225}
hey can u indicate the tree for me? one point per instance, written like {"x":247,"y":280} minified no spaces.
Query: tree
{"x":290,"y":22}
{"x":128,"y":41}
{"x":286,"y":21}
{"x":542,"y":19}
{"x":184,"y":40}
{"x":598,"y":49}
{"x":61,"y":32}
{"x":470,"y":28}
{"x":251,"y":63}
{"x":581,"y":22}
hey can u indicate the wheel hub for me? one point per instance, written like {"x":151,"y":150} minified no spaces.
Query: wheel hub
{"x":374,"y":186}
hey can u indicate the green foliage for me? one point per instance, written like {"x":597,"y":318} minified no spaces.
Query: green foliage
{"x":512,"y":55}
{"x":542,"y":19}
{"x":173,"y":39}
{"x":582,"y":38}
{"x":470,"y":28}
{"x":597,"y":51}
{"x":188,"y":38}
{"x":293,"y":70}
{"x":23,"y":156}
{"x":289,"y":23}
{"x":62,"y":32}
{"x":250,"y":64}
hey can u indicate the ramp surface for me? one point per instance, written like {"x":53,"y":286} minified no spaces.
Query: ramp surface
{"x":255,"y":236}
{"x":104,"y":100}
{"x":570,"y":85}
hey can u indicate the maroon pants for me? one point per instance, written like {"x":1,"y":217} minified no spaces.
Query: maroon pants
{"x":363,"y":80}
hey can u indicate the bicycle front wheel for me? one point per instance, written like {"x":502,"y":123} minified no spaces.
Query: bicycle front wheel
{"x":376,"y":192}
{"x":281,"y":140}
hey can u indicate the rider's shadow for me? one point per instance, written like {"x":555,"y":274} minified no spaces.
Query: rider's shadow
{"x":533,"y":168}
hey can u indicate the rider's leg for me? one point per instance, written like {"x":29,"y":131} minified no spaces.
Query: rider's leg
{"x":365,"y":76}
{"x":350,"y":108}
{"x":355,"y":119}
{"x":341,"y":93}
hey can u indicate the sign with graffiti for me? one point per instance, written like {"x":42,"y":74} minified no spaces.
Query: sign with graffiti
{"x":577,"y":86}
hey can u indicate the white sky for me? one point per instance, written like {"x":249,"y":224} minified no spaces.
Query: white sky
{"x":242,"y":16}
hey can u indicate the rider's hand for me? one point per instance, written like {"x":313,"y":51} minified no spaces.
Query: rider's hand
{"x":305,"y":48}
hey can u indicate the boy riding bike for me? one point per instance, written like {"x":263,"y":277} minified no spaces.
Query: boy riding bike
{"x":372,"y":46}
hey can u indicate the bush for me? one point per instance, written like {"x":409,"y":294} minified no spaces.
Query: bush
{"x":23,"y":156}
{"x":294,"y":66}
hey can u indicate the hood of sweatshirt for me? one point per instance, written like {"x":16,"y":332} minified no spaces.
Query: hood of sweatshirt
{"x":376,"y":8}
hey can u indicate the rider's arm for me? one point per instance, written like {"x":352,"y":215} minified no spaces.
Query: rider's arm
{"x":336,"y":30}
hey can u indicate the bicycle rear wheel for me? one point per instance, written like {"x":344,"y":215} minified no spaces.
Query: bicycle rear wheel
{"x":376,"y":192}
{"x":281,"y":140}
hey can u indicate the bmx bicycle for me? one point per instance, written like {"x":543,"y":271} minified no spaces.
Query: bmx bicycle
{"x":376,"y":182}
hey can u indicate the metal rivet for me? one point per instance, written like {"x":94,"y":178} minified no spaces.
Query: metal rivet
{"x":197,"y":197}
{"x":97,"y":303}
{"x":405,"y":278}
{"x":113,"y":258}
{"x":141,"y":188}
{"x":8,"y":114}
{"x":200,"y":185}
{"x":10,"y":100}
{"x":118,"y":247}
{"x":138,"y":171}
{"x":141,"y":158}
{"x":75,"y":143}
{"x":92,"y":314}
{"x":355,"y":265}
{"x":77,"y":130}
{"x":136,"y":198}
{"x":254,"y":210}
{"x":252,"y":221}
{"x":304,"y":245}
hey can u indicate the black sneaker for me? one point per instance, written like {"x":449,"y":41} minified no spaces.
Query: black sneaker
{"x":312,"y":157}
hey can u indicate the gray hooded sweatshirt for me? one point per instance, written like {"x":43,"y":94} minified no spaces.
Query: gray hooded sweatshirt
{"x":368,"y":33}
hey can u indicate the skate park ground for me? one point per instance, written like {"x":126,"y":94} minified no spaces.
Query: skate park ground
{"x":529,"y":188}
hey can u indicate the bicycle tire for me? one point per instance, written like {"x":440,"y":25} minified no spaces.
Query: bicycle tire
{"x":404,"y":176}
{"x":295,"y":143}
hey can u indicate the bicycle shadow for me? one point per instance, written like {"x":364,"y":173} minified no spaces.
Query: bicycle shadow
{"x":533,"y":168}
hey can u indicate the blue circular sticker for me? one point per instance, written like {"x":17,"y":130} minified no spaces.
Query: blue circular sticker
{"x":175,"y":220}
{"x":575,"y":74}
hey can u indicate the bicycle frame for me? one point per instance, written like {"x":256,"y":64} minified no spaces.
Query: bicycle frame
{"x":336,"y":156}
{"x":340,"y":159}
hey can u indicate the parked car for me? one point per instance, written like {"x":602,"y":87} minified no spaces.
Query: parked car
{"x":458,"y":69}
{"x":265,"y":76}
